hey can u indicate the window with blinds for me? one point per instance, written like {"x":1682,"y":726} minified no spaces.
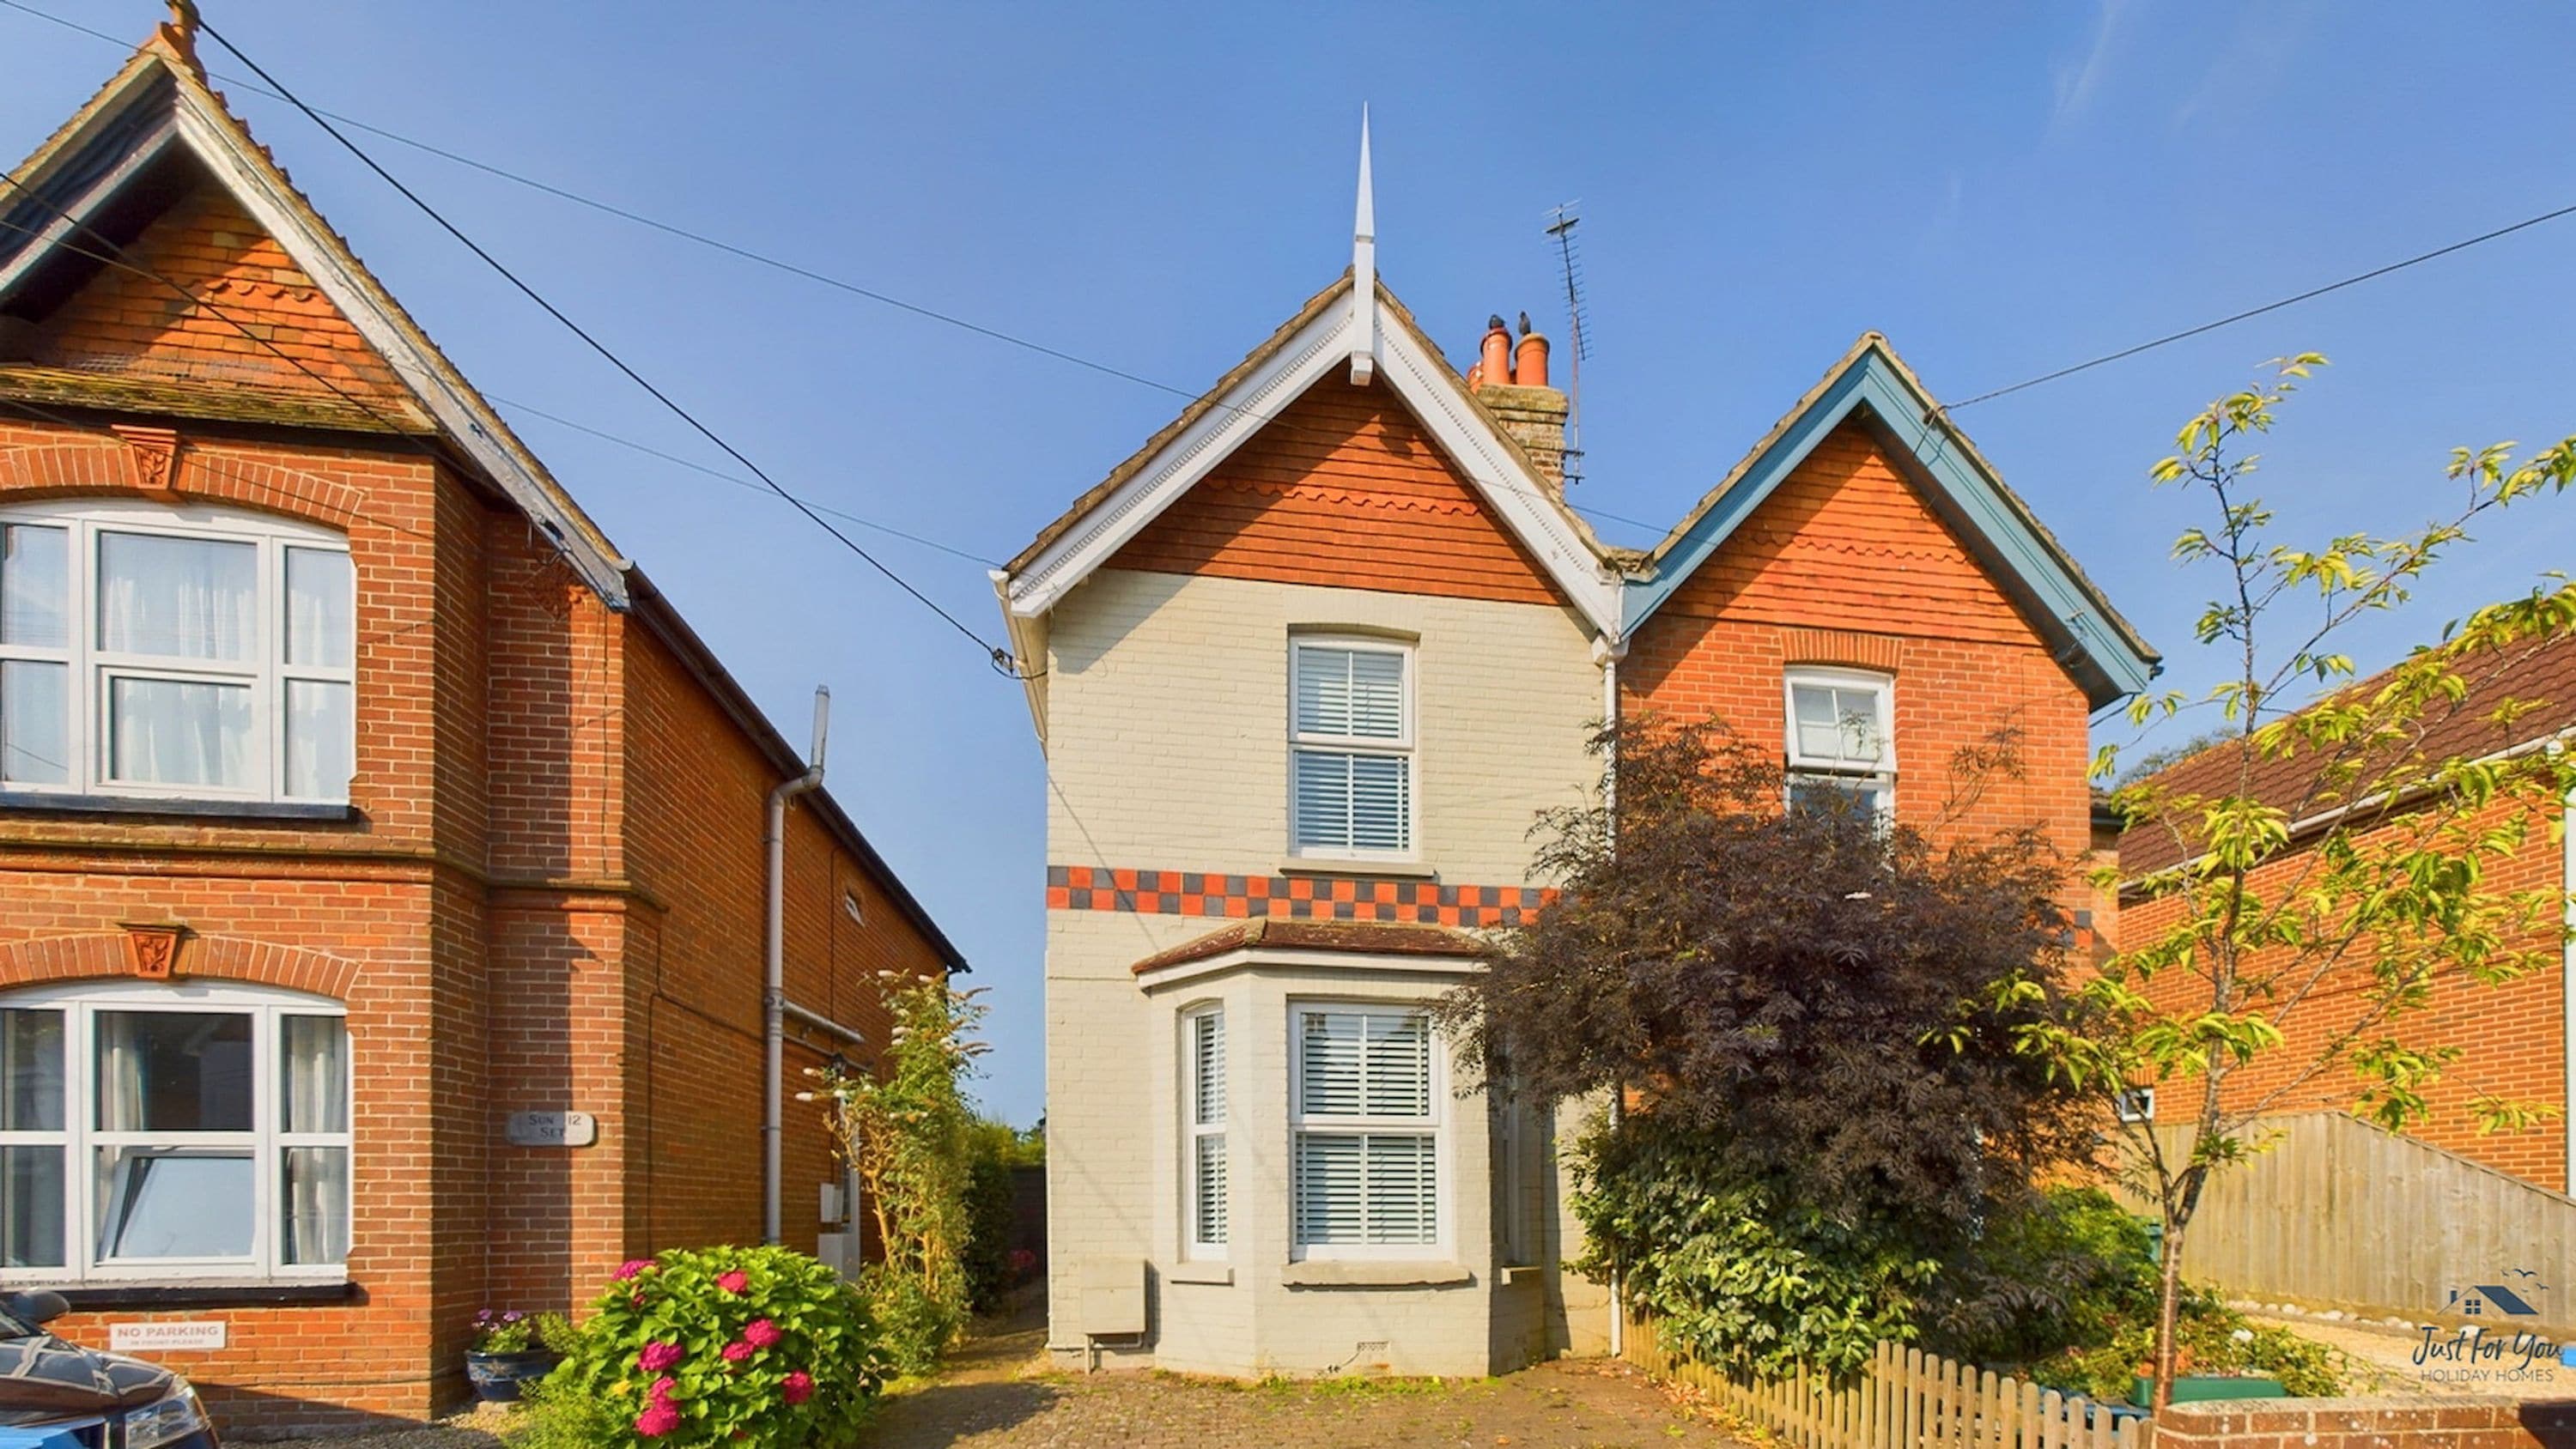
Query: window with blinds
{"x":1367,"y":1130}
{"x":1351,"y":748}
{"x":1203,"y":1033}
{"x":1841,"y":752}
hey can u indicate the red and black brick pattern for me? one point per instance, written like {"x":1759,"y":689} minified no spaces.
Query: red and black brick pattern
{"x":1304,"y":897}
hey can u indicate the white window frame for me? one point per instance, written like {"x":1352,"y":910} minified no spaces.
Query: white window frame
{"x":1401,"y":747}
{"x":1836,"y":770}
{"x":79,"y":1139}
{"x":1196,"y":1128}
{"x":90,"y":669}
{"x":2135,"y":1104}
{"x":1435,"y":1124}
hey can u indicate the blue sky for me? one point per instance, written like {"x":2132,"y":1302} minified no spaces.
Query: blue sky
{"x":2002,"y":190}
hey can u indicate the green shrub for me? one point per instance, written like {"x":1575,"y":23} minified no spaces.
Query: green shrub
{"x":556,"y":1414}
{"x":915,"y":1324}
{"x":762,"y":1348}
{"x":1736,"y":1275}
{"x":2209,"y":1338}
{"x":2068,"y":1272}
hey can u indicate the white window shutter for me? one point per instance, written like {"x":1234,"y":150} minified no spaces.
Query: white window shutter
{"x":1401,"y":1197}
{"x":1331,"y":1072}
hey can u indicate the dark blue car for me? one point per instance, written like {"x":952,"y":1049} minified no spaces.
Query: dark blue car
{"x":60,"y":1396}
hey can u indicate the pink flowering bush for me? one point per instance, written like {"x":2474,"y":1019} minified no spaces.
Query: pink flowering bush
{"x":724,"y":1348}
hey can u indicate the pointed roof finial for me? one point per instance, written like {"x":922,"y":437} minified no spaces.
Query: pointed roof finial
{"x":1364,"y":269}
{"x":181,"y":33}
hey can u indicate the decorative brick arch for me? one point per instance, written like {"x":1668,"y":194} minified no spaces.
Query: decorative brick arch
{"x":91,"y":464}
{"x":230,"y":958}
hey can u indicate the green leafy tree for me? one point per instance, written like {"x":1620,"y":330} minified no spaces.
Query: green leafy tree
{"x":1834,"y":1104}
{"x":907,"y":1132}
{"x":2332,"y":861}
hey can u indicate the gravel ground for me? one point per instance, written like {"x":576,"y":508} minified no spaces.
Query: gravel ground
{"x":999,"y":1394}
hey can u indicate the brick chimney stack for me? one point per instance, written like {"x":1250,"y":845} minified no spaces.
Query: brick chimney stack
{"x":1511,"y":381}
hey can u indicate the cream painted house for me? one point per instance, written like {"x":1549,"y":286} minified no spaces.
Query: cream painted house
{"x":1306,"y":667}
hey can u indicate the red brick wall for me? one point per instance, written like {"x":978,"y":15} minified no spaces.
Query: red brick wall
{"x":2513,"y":1034}
{"x":2446,"y":1423}
{"x":233,"y":273}
{"x":1845,"y":565}
{"x":550,"y":899}
{"x":1343,"y":488}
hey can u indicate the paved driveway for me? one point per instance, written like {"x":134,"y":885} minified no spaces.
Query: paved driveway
{"x":997,"y":1396}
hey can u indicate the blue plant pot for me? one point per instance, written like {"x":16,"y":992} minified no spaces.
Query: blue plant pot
{"x":498,"y":1377}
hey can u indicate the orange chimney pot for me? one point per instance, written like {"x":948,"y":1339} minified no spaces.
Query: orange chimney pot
{"x":1497,"y":363}
{"x":1530,"y":368}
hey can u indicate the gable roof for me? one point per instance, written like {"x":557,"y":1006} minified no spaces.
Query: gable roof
{"x":159,"y":107}
{"x":1322,"y":334}
{"x":2540,"y":675}
{"x":2106,"y":655}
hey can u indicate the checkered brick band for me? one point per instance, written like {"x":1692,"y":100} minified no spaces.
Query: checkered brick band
{"x":1307,"y":897}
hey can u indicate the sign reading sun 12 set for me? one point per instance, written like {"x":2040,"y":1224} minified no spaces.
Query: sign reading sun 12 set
{"x":553,"y":1129}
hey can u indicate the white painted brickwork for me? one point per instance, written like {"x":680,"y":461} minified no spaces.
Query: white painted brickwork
{"x":1167,"y":749}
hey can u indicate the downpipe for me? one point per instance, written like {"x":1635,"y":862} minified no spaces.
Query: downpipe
{"x":773,"y":994}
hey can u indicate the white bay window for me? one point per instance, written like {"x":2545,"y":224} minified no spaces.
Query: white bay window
{"x":194,"y":652}
{"x":1368,"y":1131}
{"x":172,"y":1133}
{"x":1350,"y":748}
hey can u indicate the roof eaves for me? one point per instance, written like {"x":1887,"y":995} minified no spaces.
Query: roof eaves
{"x":1871,"y":364}
{"x":223,"y":142}
{"x":1198,"y":408}
{"x":654,"y":609}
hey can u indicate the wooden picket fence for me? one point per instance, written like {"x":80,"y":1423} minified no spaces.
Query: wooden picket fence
{"x":1908,"y":1399}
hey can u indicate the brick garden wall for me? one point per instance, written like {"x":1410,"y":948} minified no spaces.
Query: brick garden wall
{"x":2465,"y":1423}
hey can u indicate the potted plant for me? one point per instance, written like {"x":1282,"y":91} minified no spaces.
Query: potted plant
{"x":511,"y":1348}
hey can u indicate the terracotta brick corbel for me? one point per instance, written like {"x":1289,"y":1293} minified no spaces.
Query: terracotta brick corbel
{"x":156,"y":459}
{"x":153,"y":948}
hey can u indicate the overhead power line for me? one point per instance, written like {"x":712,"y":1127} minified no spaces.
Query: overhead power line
{"x":763,"y":259}
{"x":1000,"y":658}
{"x":2233,"y":318}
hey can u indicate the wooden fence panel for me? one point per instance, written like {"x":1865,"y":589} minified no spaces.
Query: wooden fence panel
{"x":2334,"y":1212}
{"x":1904,"y":1399}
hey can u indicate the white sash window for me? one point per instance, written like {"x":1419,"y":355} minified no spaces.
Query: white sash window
{"x":1203,"y":1041}
{"x":195,"y":652}
{"x":1841,"y":740}
{"x":1350,"y":748}
{"x":1368,"y":1131}
{"x":173,"y":1133}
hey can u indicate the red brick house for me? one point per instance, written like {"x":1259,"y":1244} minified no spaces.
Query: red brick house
{"x":357,"y":797}
{"x":1864,"y":592}
{"x":2515,"y":1034}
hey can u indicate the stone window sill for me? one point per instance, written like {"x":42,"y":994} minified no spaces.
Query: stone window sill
{"x":1372,"y":1273}
{"x":248,"y":1293}
{"x":1325,"y":865}
{"x":157,"y":807}
{"x":1220,"y":1274}
{"x":1523,"y":1273}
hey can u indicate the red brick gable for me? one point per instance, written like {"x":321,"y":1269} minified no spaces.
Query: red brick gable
{"x":1847,"y":543}
{"x":1344,"y":488}
{"x":1846,"y":565}
{"x":238,"y":281}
